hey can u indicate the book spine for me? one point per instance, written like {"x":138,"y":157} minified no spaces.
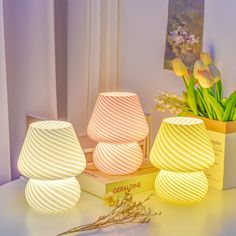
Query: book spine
{"x":134,"y":185}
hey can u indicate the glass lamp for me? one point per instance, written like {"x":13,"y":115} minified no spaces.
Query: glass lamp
{"x":182,"y":150}
{"x":117,"y":124}
{"x":51,"y":157}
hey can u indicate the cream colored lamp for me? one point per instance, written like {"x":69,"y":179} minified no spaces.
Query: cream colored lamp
{"x":182,"y":150}
{"x":117,"y":124}
{"x":51,"y":157}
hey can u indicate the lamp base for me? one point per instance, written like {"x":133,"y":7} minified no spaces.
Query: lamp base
{"x":118,"y":159}
{"x":52,"y":196}
{"x":181,"y":187}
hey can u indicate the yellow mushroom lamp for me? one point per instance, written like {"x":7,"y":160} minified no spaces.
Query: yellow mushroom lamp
{"x":51,"y":157}
{"x":182,"y":150}
{"x":117,"y":124}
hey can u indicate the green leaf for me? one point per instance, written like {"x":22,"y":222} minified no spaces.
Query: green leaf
{"x":200,"y":103}
{"x":219,"y":91}
{"x":234,"y":115}
{"x":210,"y":91}
{"x":232,"y":96}
{"x":216,"y":107}
{"x":207,"y":104}
{"x":229,"y":110}
{"x":223,"y":100}
{"x":191,"y":97}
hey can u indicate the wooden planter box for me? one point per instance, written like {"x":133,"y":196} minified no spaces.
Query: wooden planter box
{"x":222,"y":175}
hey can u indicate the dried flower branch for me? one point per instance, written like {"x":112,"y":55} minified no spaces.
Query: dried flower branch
{"x":126,"y":211}
{"x":172,"y":103}
{"x":110,"y":199}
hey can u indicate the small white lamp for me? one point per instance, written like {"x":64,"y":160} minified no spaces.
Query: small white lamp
{"x":51,"y":157}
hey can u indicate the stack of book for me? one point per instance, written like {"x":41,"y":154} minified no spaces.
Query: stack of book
{"x":99,"y":184}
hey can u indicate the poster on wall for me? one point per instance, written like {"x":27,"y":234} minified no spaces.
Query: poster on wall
{"x":184,"y":31}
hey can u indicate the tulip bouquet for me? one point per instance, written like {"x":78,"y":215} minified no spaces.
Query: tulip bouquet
{"x":204,"y":93}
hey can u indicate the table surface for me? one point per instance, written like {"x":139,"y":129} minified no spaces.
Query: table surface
{"x":214,"y":216}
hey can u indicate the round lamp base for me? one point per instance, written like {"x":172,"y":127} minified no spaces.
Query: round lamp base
{"x":181,"y":187}
{"x":118,"y":159}
{"x":52,"y":196}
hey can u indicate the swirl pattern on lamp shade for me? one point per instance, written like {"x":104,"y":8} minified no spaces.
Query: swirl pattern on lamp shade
{"x":117,"y":117}
{"x":51,"y":151}
{"x":182,"y":144}
{"x":118,"y":159}
{"x":180,"y":187}
{"x":52,"y":195}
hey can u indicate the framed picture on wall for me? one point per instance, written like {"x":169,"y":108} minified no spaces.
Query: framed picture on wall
{"x":184,"y":31}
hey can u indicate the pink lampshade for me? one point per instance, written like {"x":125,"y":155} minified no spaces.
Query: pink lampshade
{"x":117,"y":117}
{"x":117,"y":124}
{"x":118,"y":159}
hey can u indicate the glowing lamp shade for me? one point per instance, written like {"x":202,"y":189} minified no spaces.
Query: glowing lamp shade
{"x":51,"y":157}
{"x":113,"y":162}
{"x":183,"y":187}
{"x":182,"y":150}
{"x":118,"y":123}
{"x":52,"y":195}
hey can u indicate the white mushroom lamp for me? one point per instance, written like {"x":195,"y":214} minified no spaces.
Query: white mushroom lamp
{"x":51,"y":157}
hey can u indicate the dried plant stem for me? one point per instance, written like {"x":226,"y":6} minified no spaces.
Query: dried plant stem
{"x":126,"y":211}
{"x":96,"y":226}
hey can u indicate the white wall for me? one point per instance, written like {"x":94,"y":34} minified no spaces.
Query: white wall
{"x":220,"y":38}
{"x":29,"y":38}
{"x":142,"y":44}
{"x":141,"y":51}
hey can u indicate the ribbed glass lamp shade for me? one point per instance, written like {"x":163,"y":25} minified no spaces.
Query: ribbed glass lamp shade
{"x":51,"y":151}
{"x":182,"y":144}
{"x":118,"y":159}
{"x":51,"y":156}
{"x":117,"y":117}
{"x":183,"y":187}
{"x":182,"y":150}
{"x":118,"y":123}
{"x":52,"y":195}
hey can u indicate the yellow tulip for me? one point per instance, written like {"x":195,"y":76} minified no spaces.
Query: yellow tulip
{"x":198,"y":65}
{"x":215,"y":72}
{"x":178,"y":67}
{"x":205,"y":78}
{"x":206,"y":58}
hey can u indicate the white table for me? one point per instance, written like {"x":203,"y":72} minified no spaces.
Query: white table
{"x":214,"y":216}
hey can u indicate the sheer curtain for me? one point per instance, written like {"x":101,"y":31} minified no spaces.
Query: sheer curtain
{"x":92,"y":55}
{"x":28,"y":73}
{"x":54,"y":58}
{"x":5,"y":172}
